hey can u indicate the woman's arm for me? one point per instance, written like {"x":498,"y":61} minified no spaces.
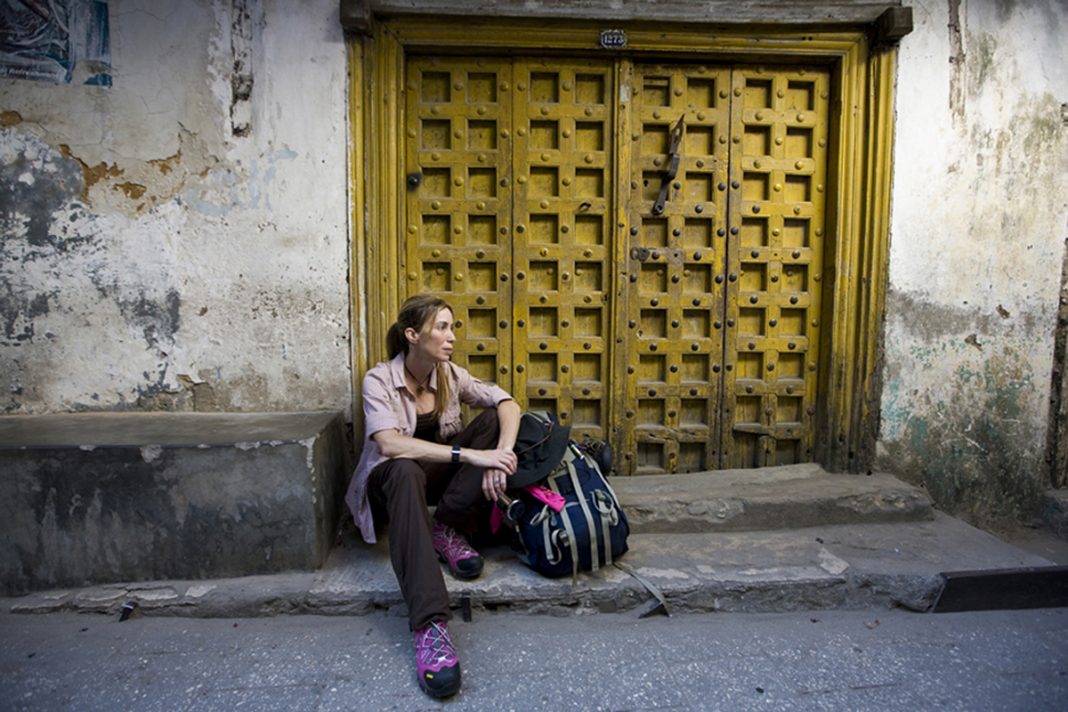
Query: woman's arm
{"x":495,"y":479}
{"x":394,"y":445}
{"x":508,"y":414}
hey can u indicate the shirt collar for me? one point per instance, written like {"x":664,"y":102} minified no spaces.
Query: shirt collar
{"x":396,"y":369}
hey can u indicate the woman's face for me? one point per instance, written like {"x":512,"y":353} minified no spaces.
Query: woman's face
{"x":436,"y":339}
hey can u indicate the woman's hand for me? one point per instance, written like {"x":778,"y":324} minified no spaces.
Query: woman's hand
{"x":498,"y":465}
{"x":498,"y":459}
{"x":494,"y":483}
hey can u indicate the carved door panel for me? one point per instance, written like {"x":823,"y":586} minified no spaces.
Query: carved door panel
{"x":676,"y":264}
{"x":458,"y":206}
{"x":562,"y":248}
{"x":779,"y":132}
{"x":508,"y":207}
{"x":727,"y":174}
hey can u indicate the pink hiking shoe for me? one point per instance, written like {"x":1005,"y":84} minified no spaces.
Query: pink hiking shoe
{"x":453,"y":549}
{"x":436,"y":661}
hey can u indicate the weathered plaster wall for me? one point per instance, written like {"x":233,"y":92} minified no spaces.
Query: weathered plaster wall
{"x":980,"y":218}
{"x":179,"y":240}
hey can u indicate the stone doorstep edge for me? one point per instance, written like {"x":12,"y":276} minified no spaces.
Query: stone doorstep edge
{"x":612,"y":591}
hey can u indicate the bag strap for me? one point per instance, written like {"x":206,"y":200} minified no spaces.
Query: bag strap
{"x":660,"y":605}
{"x":569,"y":530}
{"x":572,"y":545}
{"x":604,"y":520}
{"x":580,"y":493}
{"x":606,"y":539}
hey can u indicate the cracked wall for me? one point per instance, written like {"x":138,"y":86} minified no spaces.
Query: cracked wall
{"x":980,"y":216}
{"x":179,"y":240}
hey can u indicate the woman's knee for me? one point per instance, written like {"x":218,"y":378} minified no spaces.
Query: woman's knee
{"x":487,"y":420}
{"x":402,"y":477}
{"x":483,"y":431}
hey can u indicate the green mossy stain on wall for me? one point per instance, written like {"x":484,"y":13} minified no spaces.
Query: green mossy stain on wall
{"x":981,"y":47}
{"x":974,"y":451}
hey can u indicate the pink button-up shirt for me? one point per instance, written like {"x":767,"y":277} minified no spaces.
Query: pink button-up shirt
{"x":388,"y":404}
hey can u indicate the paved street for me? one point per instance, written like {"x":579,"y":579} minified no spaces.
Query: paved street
{"x":833,"y":660}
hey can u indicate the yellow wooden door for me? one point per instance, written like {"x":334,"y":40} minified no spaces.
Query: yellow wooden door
{"x":508,"y":206}
{"x":777,"y":217}
{"x":642,"y":259}
{"x":722,"y":288}
{"x":562,"y":247}
{"x":458,"y":206}
{"x":676,"y":262}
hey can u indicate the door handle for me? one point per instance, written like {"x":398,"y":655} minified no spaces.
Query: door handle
{"x":673,"y":166}
{"x":639,"y":253}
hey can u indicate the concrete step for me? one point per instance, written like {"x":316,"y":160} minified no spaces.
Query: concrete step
{"x":98,"y":497}
{"x":785,"y":497}
{"x":1054,"y":512}
{"x":833,"y":566}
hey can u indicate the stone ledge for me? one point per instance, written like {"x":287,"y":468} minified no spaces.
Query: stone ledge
{"x":98,"y":497}
{"x":831,"y":567}
{"x":355,"y":14}
{"x":789,"y":496}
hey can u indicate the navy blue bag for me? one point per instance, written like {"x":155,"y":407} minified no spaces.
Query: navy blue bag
{"x":591,"y":531}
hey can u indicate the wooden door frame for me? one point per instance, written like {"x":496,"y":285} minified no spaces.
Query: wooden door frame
{"x":858,"y":195}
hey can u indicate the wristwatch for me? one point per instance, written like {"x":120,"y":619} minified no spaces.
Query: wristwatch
{"x":455,"y":454}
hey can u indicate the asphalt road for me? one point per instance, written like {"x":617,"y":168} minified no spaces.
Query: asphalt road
{"x":822,"y":660}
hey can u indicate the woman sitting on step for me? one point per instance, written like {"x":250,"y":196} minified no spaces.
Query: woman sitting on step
{"x":417,"y":451}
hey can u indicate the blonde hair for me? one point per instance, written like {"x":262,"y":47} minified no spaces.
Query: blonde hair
{"x":418,"y":313}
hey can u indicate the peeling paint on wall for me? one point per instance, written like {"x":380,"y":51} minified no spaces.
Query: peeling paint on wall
{"x":956,"y":61}
{"x":91,"y":174}
{"x":960,"y":416}
{"x":241,"y":28}
{"x":35,"y":181}
{"x":142,"y":247}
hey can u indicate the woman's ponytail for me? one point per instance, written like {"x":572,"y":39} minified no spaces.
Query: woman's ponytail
{"x":396,"y":343}
{"x":417,"y":313}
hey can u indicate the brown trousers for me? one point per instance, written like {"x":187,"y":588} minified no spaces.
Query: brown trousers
{"x":400,"y":490}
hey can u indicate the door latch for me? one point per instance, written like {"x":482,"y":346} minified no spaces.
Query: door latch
{"x":673,"y":166}
{"x":639,"y":253}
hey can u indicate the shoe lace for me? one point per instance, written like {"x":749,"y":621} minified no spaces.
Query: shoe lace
{"x":453,"y":545}
{"x":435,"y":646}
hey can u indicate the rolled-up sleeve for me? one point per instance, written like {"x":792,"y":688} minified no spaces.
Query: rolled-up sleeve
{"x":470,"y":390}
{"x":478,"y":393}
{"x":383,"y":409}
{"x":381,"y":404}
{"x":481,"y":394}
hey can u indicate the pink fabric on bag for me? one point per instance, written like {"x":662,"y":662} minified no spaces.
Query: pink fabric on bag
{"x":542,"y":494}
{"x":546,"y":495}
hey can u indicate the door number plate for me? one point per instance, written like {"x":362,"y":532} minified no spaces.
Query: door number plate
{"x":613,"y":39}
